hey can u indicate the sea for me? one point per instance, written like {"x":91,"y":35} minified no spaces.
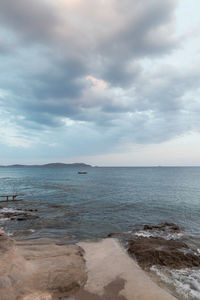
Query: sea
{"x":59,"y":203}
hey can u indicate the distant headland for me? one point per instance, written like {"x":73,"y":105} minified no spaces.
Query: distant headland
{"x":50,"y":165}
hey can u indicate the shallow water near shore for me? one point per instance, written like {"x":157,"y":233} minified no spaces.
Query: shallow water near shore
{"x":103,"y":201}
{"x":59,"y":203}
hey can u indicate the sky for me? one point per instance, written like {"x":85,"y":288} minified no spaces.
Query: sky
{"x":105,"y":82}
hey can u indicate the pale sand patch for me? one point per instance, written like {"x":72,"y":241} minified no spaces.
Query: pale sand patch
{"x":113,"y":275}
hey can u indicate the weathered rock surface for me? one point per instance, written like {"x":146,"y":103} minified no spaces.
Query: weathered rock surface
{"x":39,"y":271}
{"x":159,"y":251}
{"x":170,"y":227}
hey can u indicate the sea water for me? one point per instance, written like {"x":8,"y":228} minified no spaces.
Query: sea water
{"x":102,"y":201}
{"x":71,"y":206}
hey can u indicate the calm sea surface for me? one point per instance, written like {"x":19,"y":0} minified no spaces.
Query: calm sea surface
{"x":72,"y":206}
{"x":61,"y":204}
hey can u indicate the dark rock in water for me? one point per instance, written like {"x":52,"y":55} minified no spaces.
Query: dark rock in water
{"x":24,"y":217}
{"x":112,"y":234}
{"x":19,"y":219}
{"x":10,"y":215}
{"x":27,"y":209}
{"x":60,"y":206}
{"x":163,"y":227}
{"x":158,"y":251}
{"x":19,"y":216}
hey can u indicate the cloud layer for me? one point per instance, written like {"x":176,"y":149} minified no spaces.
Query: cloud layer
{"x":96,"y":72}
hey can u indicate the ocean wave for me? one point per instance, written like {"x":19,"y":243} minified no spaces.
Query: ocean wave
{"x":186,"y":282}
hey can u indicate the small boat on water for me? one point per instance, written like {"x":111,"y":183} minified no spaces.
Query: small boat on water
{"x":82,"y":172}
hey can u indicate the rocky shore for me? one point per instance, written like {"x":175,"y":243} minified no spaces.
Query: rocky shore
{"x":86,"y":271}
{"x":18,"y":214}
{"x":155,"y":250}
{"x":113,"y":275}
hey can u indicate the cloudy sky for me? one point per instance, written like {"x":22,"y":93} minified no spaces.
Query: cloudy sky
{"x":106,"y":82}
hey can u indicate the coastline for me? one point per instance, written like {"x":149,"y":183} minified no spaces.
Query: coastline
{"x":114,"y":275}
{"x":90,"y":270}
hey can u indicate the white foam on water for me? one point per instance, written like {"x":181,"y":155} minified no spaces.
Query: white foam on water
{"x":142,"y":233}
{"x":3,"y":220}
{"x":160,"y":274}
{"x":154,"y":233}
{"x":186,"y":282}
{"x":8,"y":233}
{"x":9,"y":210}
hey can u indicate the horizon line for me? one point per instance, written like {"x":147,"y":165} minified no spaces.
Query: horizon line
{"x":99,"y":166}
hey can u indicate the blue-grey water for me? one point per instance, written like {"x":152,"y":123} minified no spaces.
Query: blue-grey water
{"x":103,"y":201}
{"x":70,"y":207}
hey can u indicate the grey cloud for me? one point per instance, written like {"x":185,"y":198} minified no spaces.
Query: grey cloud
{"x":140,"y":32}
{"x":164,"y":90}
{"x":154,"y":111}
{"x":162,"y":106}
{"x":4,"y":48}
{"x":63,"y":81}
{"x":30,"y":19}
{"x":50,"y":82}
{"x":121,"y":74}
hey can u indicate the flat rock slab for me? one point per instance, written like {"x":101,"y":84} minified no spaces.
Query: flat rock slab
{"x":113,"y":275}
{"x":33,"y":271}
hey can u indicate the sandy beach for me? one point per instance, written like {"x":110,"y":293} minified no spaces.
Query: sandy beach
{"x":91,"y":270}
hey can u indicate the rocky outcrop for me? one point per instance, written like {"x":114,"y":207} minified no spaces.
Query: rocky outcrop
{"x":42,"y":271}
{"x":18,"y":215}
{"x":160,"y":251}
{"x":169,"y":227}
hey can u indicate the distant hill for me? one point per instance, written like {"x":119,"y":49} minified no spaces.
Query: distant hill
{"x":62,"y":165}
{"x":50,"y":165}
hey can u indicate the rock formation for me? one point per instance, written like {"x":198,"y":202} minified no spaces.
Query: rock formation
{"x":159,"y":251}
{"x":39,"y":271}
